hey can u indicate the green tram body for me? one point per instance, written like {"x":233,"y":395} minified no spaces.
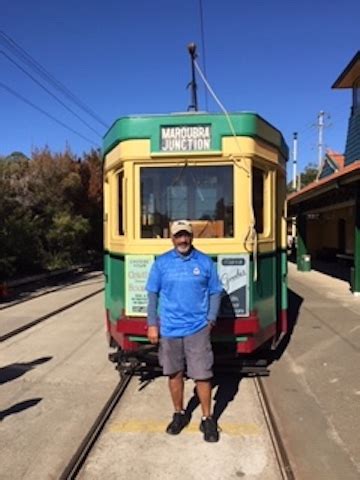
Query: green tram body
{"x":222,"y":174}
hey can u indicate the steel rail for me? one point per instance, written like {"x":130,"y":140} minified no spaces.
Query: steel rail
{"x":31,"y":324}
{"x":275,"y":436}
{"x":77,"y":461}
{"x":35,"y":294}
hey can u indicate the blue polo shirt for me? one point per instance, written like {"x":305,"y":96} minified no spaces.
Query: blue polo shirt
{"x":184,"y":284}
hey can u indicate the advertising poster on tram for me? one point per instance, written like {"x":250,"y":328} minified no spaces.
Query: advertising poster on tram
{"x":137,"y":268}
{"x":233,"y":271}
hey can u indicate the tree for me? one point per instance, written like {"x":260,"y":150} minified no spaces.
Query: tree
{"x":21,"y":246}
{"x":306,"y":177}
{"x":92,"y":179}
{"x":50,"y":210}
{"x":309,"y":174}
{"x":65,"y":240}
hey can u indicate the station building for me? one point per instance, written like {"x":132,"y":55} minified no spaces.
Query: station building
{"x":327,"y":210}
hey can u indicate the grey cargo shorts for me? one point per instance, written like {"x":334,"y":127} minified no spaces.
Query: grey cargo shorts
{"x":192,"y":353}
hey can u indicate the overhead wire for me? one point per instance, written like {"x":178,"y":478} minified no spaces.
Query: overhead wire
{"x":202,"y":31}
{"x":252,"y":233}
{"x":49,"y":92}
{"x":213,"y":94}
{"x":35,"y":65}
{"x":44,"y":112}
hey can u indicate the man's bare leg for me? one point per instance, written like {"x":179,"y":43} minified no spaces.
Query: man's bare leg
{"x":203,"y":388}
{"x":208,"y":425}
{"x":176,"y":387}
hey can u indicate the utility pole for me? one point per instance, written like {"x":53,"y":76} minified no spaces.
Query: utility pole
{"x":295,"y":147}
{"x":295,"y":140}
{"x":320,"y":126}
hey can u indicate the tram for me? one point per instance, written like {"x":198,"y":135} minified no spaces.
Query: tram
{"x":226,"y":173}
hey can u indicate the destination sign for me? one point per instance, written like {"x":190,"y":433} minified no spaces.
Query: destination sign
{"x":186,"y":138}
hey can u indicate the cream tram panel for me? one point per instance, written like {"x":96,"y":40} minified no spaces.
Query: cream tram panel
{"x":124,"y":155}
{"x":127,"y":150}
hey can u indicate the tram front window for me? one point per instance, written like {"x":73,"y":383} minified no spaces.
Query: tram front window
{"x":203,"y":195}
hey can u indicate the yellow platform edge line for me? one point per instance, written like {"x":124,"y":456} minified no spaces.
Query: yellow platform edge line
{"x":137,"y":426}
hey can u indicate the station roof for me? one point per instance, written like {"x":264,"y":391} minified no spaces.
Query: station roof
{"x":350,"y":74}
{"x":345,"y":175}
{"x":333,"y":162}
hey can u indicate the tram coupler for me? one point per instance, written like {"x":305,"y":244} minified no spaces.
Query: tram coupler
{"x":115,"y":357}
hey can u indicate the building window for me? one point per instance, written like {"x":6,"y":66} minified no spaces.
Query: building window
{"x":203,"y":195}
{"x":121,"y":205}
{"x":258,"y":176}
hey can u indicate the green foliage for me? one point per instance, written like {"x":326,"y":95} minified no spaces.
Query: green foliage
{"x":306,"y":177}
{"x":65,"y":239}
{"x":309,"y":174}
{"x":21,"y":243}
{"x":50,"y":210}
{"x":290,"y":188}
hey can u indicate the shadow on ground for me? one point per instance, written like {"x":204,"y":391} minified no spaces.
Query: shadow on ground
{"x":226,"y":386}
{"x":330,"y":267}
{"x":333,"y":269}
{"x":19,"y":407}
{"x":16,"y":370}
{"x":294,"y":304}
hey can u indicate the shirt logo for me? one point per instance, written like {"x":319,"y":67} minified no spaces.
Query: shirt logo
{"x":196,"y":271}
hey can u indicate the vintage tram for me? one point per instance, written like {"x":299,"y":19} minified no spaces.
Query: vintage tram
{"x":227,"y":175}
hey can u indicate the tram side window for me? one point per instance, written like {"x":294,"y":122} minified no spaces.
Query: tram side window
{"x":120,"y":204}
{"x":258,"y":198}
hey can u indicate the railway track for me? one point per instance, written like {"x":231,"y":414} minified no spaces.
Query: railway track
{"x":275,"y":436}
{"x":42,"y":318}
{"x":76,"y":463}
{"x":73,"y":467}
{"x":30,"y":290}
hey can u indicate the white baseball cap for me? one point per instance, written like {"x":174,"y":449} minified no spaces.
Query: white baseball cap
{"x":181,"y":226}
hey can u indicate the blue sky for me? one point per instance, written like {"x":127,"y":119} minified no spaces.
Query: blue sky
{"x":277,"y":58}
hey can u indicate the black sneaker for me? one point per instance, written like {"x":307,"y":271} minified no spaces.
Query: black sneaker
{"x":209,"y":428}
{"x":178,"y":423}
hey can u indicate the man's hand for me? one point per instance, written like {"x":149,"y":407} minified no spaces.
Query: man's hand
{"x":153,"y":334}
{"x":211,"y":325}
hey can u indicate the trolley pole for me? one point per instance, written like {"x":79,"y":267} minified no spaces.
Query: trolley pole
{"x":192,"y":84}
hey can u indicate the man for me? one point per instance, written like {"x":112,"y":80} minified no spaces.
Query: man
{"x":186,"y":282}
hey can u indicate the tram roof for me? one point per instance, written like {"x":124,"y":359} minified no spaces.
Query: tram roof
{"x":247,"y":124}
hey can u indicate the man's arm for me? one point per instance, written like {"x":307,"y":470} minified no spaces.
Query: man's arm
{"x":214,"y":306}
{"x":153,"y":329}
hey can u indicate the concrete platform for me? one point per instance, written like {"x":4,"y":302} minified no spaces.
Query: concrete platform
{"x":315,"y":386}
{"x":22,"y":313}
{"x":55,"y":379}
{"x":134,"y":444}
